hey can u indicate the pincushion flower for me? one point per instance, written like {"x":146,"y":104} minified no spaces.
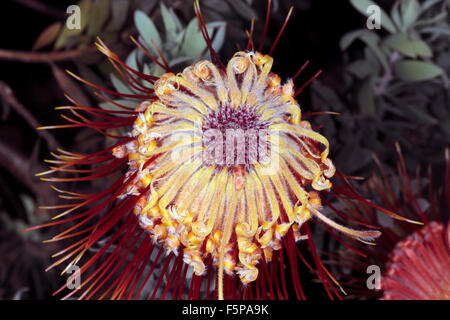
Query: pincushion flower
{"x":221,"y":176}
{"x":414,"y":260}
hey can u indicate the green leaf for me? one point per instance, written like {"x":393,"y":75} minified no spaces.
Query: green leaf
{"x":401,"y":43}
{"x":325,"y":97}
{"x":349,"y":38}
{"x":434,"y":19}
{"x":410,"y":12}
{"x":85,"y":6}
{"x":147,"y":29}
{"x":419,"y":114}
{"x":375,"y":64}
{"x":411,"y":70}
{"x":369,"y":38}
{"x":437,"y":30}
{"x":365,"y":98}
{"x":131,"y":60}
{"x":242,"y":9}
{"x":193,"y":42}
{"x":119,"y":12}
{"x":360,"y":68}
{"x":422,"y":49}
{"x":372,"y":41}
{"x":119,"y":85}
{"x":395,"y":14}
{"x":429,"y":3}
{"x":98,"y":16}
{"x":124,"y":102}
{"x":410,"y":48}
{"x":169,"y":24}
{"x":219,"y":36}
{"x":362,"y":5}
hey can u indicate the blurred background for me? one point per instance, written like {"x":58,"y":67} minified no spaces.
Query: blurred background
{"x":388,"y":84}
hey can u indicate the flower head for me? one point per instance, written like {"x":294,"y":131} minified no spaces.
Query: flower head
{"x":221,"y":172}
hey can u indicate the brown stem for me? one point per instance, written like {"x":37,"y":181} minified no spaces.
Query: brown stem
{"x":19,"y":166}
{"x":7,"y":94}
{"x":39,"y":57}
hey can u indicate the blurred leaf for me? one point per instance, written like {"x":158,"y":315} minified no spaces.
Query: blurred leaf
{"x":119,"y":12}
{"x":422,"y":49}
{"x":324,"y":97}
{"x":362,"y":5}
{"x":366,"y":99}
{"x":70,"y":86}
{"x":85,"y":6}
{"x":410,"y":12}
{"x":433,"y":19}
{"x":47,"y":36}
{"x":401,"y":43}
{"x":429,"y":3}
{"x":372,"y":41}
{"x":437,"y":30}
{"x":410,"y":48}
{"x":418,"y":114}
{"x":360,"y":68}
{"x":395,"y":14}
{"x":349,"y":37}
{"x":98,"y":17}
{"x":411,"y":70}
{"x":89,"y":57}
{"x":375,"y":64}
{"x":147,"y":29}
{"x":242,"y":9}
{"x":369,"y":38}
{"x":110,"y":36}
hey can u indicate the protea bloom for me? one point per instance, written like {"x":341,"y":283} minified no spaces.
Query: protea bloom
{"x":221,"y":175}
{"x":414,"y":260}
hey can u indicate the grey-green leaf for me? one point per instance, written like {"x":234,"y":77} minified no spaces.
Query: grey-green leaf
{"x":242,"y":9}
{"x":363,"y":5}
{"x":169,"y":24}
{"x":401,"y":43}
{"x":411,"y":70}
{"x":372,"y":41}
{"x":119,"y":85}
{"x":349,"y":38}
{"x":410,"y":11}
{"x":360,"y":68}
{"x":219,"y":36}
{"x":123,"y":102}
{"x":422,"y":49}
{"x":66,"y":33}
{"x":193,"y":42}
{"x":410,"y":48}
{"x":147,"y":29}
